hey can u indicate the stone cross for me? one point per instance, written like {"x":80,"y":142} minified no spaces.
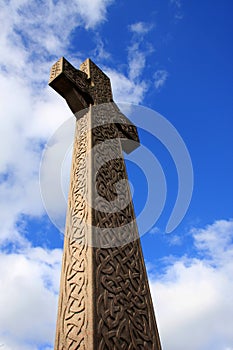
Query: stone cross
{"x":104,"y":300}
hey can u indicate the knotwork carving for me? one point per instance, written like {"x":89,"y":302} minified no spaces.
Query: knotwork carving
{"x":72,"y":325}
{"x":105,"y":302}
{"x":125,"y":318}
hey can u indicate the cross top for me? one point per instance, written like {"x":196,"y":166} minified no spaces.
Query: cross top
{"x":81,"y":88}
{"x":88,"y":86}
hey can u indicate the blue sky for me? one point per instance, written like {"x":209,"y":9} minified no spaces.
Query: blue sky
{"x":171,"y":56}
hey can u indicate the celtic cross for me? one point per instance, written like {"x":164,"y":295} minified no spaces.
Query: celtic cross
{"x":104,"y":300}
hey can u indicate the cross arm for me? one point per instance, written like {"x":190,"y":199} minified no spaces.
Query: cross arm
{"x":72,"y":84}
{"x":127,"y":131}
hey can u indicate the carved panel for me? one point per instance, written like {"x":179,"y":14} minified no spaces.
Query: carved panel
{"x":125,"y":315}
{"x":56,"y":69}
{"x":78,"y":77}
{"x":100,"y":85}
{"x":73,"y":323}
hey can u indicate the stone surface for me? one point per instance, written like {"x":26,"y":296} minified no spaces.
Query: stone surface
{"x":104,"y":301}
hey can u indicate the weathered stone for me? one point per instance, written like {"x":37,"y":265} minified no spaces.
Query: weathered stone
{"x":105,"y":301}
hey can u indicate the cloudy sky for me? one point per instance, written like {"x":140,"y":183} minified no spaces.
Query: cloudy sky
{"x":172,"y":56}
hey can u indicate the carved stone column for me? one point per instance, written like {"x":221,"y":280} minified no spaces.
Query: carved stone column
{"x":105,"y":301}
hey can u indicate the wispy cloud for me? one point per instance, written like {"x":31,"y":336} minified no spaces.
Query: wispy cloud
{"x":126,"y":89}
{"x":35,"y":32}
{"x":141,"y":28}
{"x":100,"y":53}
{"x":160,"y":77}
{"x":154,"y":230}
{"x":178,"y":12}
{"x":138,"y":52}
{"x":139,"y":49}
{"x":194,"y":294}
{"x":137,"y":61}
{"x":177,"y":3}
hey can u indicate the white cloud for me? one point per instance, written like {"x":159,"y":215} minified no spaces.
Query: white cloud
{"x":193,"y":298}
{"x":178,"y":9}
{"x":32,"y":33}
{"x":136,"y":54}
{"x":93,"y":11}
{"x":160,"y":78}
{"x":137,"y":61}
{"x":216,"y":241}
{"x":100,"y":52}
{"x":177,"y":3}
{"x":125,"y":89}
{"x":31,"y":111}
{"x":25,"y":124}
{"x":154,"y":230}
{"x":141,"y":28}
{"x":29,"y":298}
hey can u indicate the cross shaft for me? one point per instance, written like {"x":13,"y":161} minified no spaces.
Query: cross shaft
{"x":104,"y":301}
